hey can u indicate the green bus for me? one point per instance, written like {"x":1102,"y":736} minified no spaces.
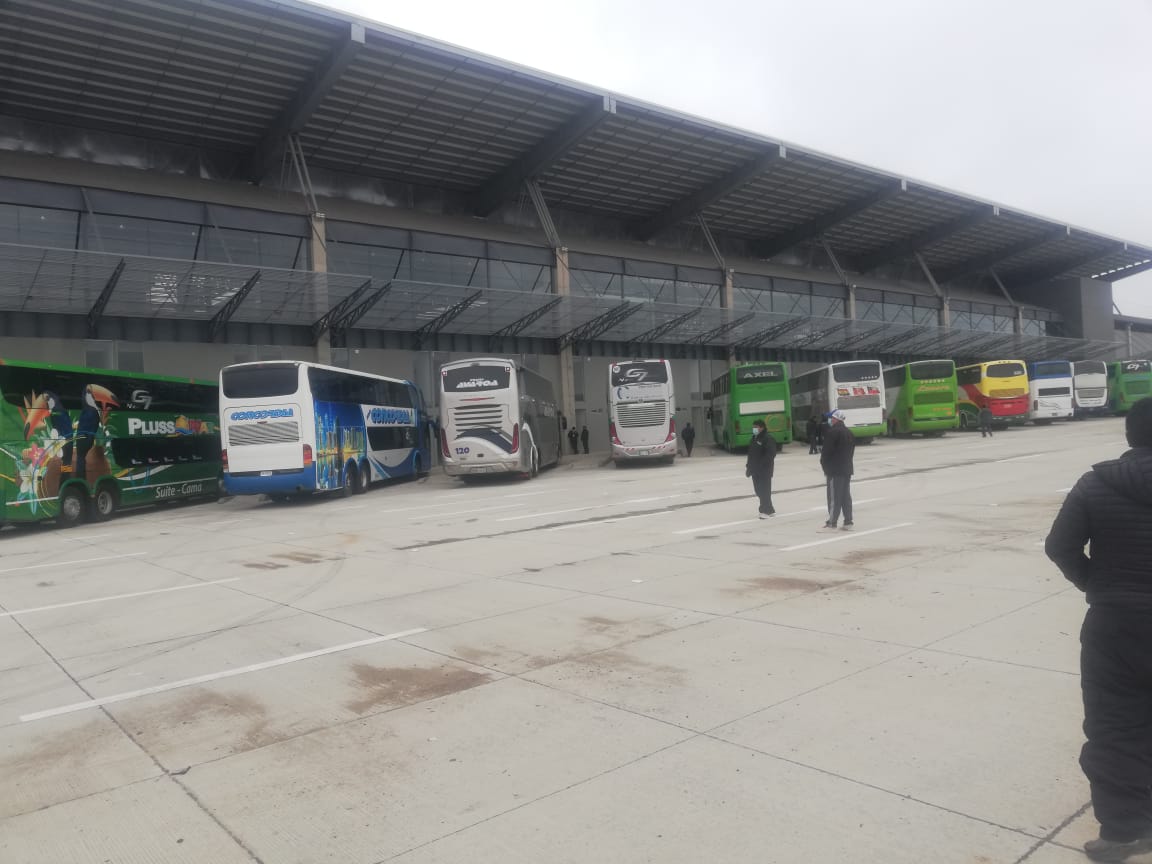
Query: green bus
{"x":746,"y":393}
{"x":921,"y":397}
{"x":1129,"y":381}
{"x":78,"y":443}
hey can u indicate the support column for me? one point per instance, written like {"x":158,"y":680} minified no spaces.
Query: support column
{"x":563,"y":287}
{"x":318,"y":259}
{"x":851,"y":310}
{"x":1130,"y":354}
{"x":728,"y":301}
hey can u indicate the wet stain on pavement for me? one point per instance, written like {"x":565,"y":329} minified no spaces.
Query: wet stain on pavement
{"x":597,"y":624}
{"x":246,"y":719}
{"x":303,"y":557}
{"x":383,"y":686}
{"x":264,"y":565}
{"x":862,"y":557}
{"x":71,"y":747}
{"x":786,"y":583}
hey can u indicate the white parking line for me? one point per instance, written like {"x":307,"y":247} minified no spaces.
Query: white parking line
{"x":213,"y":676}
{"x":821,"y":509}
{"x":609,"y":520}
{"x":1019,"y":458}
{"x":115,"y":597}
{"x":78,"y":561}
{"x":464,"y":512}
{"x":845,"y":536}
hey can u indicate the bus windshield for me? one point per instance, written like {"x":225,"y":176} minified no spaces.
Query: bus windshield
{"x":640,"y":372}
{"x":868,"y":370}
{"x":1004,"y":370}
{"x":759,"y":374}
{"x":1053,"y":369}
{"x":1091,"y":367}
{"x":931,"y":369}
{"x":476,"y":379}
{"x":260,"y":382}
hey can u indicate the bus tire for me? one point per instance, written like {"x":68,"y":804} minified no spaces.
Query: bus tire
{"x":351,"y":480}
{"x":365,"y":475}
{"x":534,"y":469}
{"x":964,"y":423}
{"x":104,"y":503}
{"x":73,"y":504}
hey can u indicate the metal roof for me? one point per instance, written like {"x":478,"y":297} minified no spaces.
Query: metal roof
{"x":238,"y":76}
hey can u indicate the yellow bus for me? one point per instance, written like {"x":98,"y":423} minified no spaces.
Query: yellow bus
{"x":1000,"y":385}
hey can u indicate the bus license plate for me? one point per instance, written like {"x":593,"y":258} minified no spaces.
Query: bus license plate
{"x":265,"y":473}
{"x":645,"y":452}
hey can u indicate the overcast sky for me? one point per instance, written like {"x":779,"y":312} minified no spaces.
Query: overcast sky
{"x":1039,"y":105}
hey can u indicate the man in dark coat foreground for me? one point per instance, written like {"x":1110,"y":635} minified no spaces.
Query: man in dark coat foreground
{"x":1110,"y":510}
{"x":761,"y":465}
{"x":836,"y":460}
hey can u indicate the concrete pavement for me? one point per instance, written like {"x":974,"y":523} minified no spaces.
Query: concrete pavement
{"x":599,"y":665}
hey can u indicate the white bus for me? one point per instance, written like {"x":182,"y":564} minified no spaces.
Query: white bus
{"x":641,"y":402}
{"x":1089,"y":388}
{"x":1050,"y":382}
{"x":855,"y":387}
{"x":496,"y":417}
{"x":290,"y":427}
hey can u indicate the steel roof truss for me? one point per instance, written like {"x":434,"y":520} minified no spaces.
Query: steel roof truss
{"x":710,"y":194}
{"x":507,"y":183}
{"x":445,"y":318}
{"x":921,"y":240}
{"x":721,"y":330}
{"x":222,"y":316}
{"x":303,"y":105}
{"x":600,"y":324}
{"x":990,"y":259}
{"x":98,"y":307}
{"x":338,"y":311}
{"x":1060,"y":268}
{"x":668,"y":326}
{"x":772,"y":332}
{"x":815,"y":227}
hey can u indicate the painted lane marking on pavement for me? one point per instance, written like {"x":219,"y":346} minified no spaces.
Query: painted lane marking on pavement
{"x":609,"y":520}
{"x":1019,"y":458}
{"x":78,"y":561}
{"x":115,"y":597}
{"x":464,"y":512}
{"x":846,"y":536}
{"x":213,"y":676}
{"x":820,"y":509}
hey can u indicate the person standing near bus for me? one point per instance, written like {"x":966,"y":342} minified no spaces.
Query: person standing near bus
{"x":985,"y":422}
{"x":760,"y":466}
{"x":574,"y":440}
{"x":812,"y":430}
{"x":1110,"y":511}
{"x":584,"y":439}
{"x":836,"y":460}
{"x":689,"y":436}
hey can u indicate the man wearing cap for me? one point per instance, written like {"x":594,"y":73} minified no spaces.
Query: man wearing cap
{"x":836,"y":460}
{"x":1110,"y":511}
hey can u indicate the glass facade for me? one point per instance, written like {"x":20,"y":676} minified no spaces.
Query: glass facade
{"x":757,"y":293}
{"x":643,"y":281}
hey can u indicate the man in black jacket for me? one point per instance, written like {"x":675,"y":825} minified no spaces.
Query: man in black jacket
{"x":761,"y":465}
{"x":1110,"y":509}
{"x":836,"y":460}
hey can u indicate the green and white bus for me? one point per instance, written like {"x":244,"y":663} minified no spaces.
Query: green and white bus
{"x":745,"y":394}
{"x":921,"y":397}
{"x":855,"y":387}
{"x":79,"y":443}
{"x":1129,"y":381}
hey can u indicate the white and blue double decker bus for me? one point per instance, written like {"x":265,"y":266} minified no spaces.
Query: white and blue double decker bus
{"x":1051,"y":383}
{"x":291,"y":427}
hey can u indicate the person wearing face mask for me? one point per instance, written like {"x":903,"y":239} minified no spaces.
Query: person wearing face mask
{"x":761,"y":462}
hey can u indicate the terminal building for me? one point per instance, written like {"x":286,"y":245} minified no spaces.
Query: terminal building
{"x":186,"y":184}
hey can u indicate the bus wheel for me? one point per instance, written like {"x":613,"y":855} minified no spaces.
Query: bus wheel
{"x":351,"y":481}
{"x":535,"y":469}
{"x":104,"y":503}
{"x":964,"y":423}
{"x":365,"y":478}
{"x":72,"y":507}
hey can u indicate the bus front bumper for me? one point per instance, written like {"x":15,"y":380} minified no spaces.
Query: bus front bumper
{"x":648,"y":451}
{"x":275,"y":483}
